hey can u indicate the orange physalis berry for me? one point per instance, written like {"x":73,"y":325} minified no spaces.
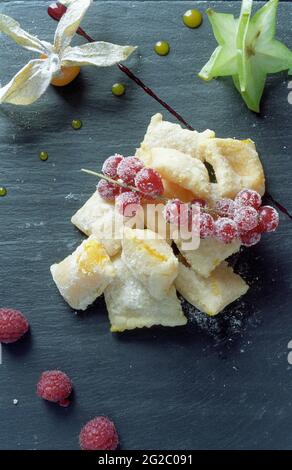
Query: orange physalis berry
{"x":66,"y":76}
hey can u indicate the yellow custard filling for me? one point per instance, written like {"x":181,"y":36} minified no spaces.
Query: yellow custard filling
{"x":93,"y":255}
{"x":215,"y":288}
{"x":150,"y":251}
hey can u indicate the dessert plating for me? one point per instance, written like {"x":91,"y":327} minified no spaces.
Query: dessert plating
{"x":133,"y":261}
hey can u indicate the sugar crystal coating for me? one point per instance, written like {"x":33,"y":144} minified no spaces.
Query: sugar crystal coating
{"x":149,"y":182}
{"x":128,"y":203}
{"x":108,"y":190}
{"x":246,"y":218}
{"x":248,"y":197}
{"x":128,"y":169}
{"x":268,"y":219}
{"x":226,"y":230}
{"x":110,"y":165}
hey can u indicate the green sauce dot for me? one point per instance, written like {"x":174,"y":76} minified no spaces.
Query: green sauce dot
{"x":192,"y":18}
{"x":118,"y":89}
{"x":3,"y":191}
{"x":43,"y":156}
{"x":76,"y":124}
{"x":161,"y":48}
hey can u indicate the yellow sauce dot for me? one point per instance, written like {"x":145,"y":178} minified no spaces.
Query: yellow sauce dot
{"x":76,"y":124}
{"x":161,"y":48}
{"x":43,"y":156}
{"x":3,"y":191}
{"x":118,"y":89}
{"x":192,"y":18}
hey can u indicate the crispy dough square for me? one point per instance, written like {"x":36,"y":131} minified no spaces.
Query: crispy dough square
{"x":208,"y":255}
{"x":83,"y":276}
{"x":91,"y":211}
{"x":236,"y":164}
{"x":154,"y":220}
{"x":150,"y":259}
{"x":179,"y":168}
{"x":99,"y":217}
{"x":130,"y":305}
{"x":210,"y":295}
{"x":166,"y":134}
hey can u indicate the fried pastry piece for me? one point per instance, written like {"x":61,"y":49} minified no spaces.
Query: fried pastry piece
{"x":154,"y":220}
{"x":97,"y":217}
{"x":94,"y":208}
{"x":236,"y":164}
{"x":210,"y":295}
{"x":83,"y":276}
{"x":108,"y":228}
{"x":130,"y":305}
{"x":179,"y":168}
{"x":150,"y":259}
{"x":174,"y":191}
{"x":209,"y":254}
{"x":166,"y":134}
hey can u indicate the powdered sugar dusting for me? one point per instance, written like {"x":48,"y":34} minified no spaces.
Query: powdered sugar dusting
{"x":225,"y":207}
{"x":225,"y":230}
{"x":110,"y":165}
{"x":227,"y":325}
{"x":149,"y":182}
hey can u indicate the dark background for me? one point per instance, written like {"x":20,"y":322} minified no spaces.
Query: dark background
{"x":222,"y":383}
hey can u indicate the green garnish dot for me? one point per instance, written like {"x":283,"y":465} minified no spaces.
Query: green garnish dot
{"x":76,"y":124}
{"x":43,"y":156}
{"x":161,"y":48}
{"x":192,"y":18}
{"x":3,"y":191}
{"x":118,"y":89}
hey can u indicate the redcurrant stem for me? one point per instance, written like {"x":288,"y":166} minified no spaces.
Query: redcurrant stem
{"x":119,"y":183}
{"x":132,"y":188}
{"x":109,"y":179}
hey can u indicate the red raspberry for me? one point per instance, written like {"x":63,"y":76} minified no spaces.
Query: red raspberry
{"x":226,"y":230}
{"x":109,"y":167}
{"x":246,"y":218}
{"x":128,"y":169}
{"x":55,"y":386}
{"x":199,"y":202}
{"x":149,"y":182}
{"x":99,"y":434}
{"x":177,"y":213}
{"x":128,"y":203}
{"x":207,"y":225}
{"x":248,"y":197}
{"x":13,"y":325}
{"x":250,"y":238}
{"x":108,"y":190}
{"x":225,"y":207}
{"x":268,"y":219}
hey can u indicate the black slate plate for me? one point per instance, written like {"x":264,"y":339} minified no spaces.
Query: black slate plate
{"x":224,"y":383}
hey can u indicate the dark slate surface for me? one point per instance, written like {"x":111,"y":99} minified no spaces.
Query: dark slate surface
{"x":219,"y":384}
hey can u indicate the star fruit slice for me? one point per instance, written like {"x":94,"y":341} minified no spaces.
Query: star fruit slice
{"x":247,"y":50}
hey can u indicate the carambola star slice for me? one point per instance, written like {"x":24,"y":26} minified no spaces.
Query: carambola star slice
{"x":247,"y":50}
